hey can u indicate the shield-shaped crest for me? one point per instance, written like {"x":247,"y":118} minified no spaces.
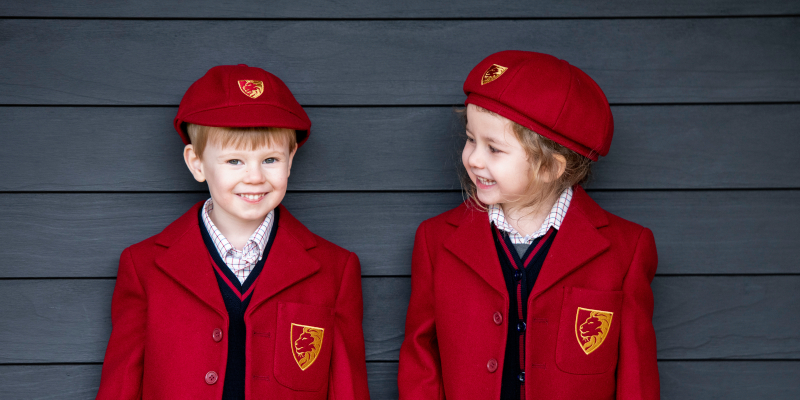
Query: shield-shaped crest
{"x":591,"y":328}
{"x":492,"y":73}
{"x":251,"y":89}
{"x":306,"y":344}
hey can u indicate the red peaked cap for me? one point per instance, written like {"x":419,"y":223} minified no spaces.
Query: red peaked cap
{"x":239,"y":96}
{"x":547,"y":95}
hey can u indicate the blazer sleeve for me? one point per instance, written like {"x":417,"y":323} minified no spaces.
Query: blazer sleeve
{"x":420,"y":370}
{"x":122,"y":368}
{"x":348,"y":372}
{"x":637,"y":369}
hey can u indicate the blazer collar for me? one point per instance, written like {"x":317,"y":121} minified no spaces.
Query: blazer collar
{"x":577,"y":242}
{"x":288,"y":261}
{"x":472,"y":242}
{"x":187,"y":260}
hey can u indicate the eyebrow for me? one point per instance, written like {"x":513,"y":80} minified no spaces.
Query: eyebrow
{"x":488,"y":139}
{"x":242,"y":153}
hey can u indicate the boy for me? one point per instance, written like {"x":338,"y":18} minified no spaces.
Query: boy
{"x":236,"y":299}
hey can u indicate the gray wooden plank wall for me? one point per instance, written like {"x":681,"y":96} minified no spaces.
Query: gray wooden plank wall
{"x":706,"y":99}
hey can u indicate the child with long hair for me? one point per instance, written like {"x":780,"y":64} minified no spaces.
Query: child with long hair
{"x":529,"y":289}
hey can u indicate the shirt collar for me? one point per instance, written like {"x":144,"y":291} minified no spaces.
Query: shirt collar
{"x":256,"y":243}
{"x":553,"y":219}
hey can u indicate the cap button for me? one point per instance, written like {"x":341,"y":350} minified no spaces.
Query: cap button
{"x":242,"y":65}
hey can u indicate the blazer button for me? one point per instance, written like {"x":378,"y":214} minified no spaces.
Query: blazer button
{"x":211,"y":377}
{"x":497,"y":318}
{"x":491,"y":365}
{"x":217,"y":334}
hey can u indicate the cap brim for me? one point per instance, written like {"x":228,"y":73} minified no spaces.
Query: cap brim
{"x":532,"y":124}
{"x":245,"y":116}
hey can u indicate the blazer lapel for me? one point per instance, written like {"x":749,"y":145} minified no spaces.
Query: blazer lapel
{"x":288,"y":261}
{"x":472,"y":243}
{"x":575,"y":244}
{"x":187,"y":260}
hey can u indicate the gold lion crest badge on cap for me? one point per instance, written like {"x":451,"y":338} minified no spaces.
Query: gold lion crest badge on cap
{"x":306,"y":344}
{"x":591,"y":328}
{"x":493,"y":73}
{"x":251,"y":89}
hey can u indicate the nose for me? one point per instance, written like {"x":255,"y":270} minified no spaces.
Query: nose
{"x":475,"y":159}
{"x":254,"y":175}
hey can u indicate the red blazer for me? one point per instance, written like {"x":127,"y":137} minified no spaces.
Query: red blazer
{"x":167,"y":314}
{"x":456,"y":328}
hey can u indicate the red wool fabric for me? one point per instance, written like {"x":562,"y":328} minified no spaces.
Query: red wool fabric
{"x":597,"y":261}
{"x":547,"y":95}
{"x":241,"y":96}
{"x":170,"y":326}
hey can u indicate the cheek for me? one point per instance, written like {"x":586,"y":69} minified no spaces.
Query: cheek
{"x":465,"y":158}
{"x":279,"y":178}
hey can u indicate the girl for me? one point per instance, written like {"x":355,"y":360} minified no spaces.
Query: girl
{"x":529,"y":289}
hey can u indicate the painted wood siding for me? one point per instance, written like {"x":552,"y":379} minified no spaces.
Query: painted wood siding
{"x":706,"y":100}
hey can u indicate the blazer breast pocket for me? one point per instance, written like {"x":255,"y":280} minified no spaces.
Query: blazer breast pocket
{"x":588,"y":333}
{"x":304,"y":340}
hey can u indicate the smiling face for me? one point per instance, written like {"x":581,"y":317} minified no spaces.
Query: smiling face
{"x":245,"y":183}
{"x":495,"y":160}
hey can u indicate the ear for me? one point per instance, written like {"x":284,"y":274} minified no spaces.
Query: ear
{"x":559,"y":164}
{"x":291,"y":158}
{"x":194,"y":163}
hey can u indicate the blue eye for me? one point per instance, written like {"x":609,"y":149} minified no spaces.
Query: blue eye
{"x":234,"y":162}
{"x":493,"y":150}
{"x":270,"y":160}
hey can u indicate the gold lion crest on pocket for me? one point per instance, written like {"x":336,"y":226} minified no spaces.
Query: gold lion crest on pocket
{"x":251,"y":88}
{"x":591,"y":328}
{"x":306,"y":344}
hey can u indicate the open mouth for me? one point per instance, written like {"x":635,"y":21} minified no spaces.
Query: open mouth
{"x":485,"y":182}
{"x":252,"y":197}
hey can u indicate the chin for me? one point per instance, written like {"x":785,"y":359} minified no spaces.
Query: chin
{"x":488,"y":200}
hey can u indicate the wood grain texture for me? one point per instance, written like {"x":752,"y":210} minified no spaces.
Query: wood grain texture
{"x":393,"y":9}
{"x":696,"y":318}
{"x":395,"y":62}
{"x":397,"y":148}
{"x":697,"y":232}
{"x":698,"y":380}
{"x":729,"y":380}
{"x":80,"y":382}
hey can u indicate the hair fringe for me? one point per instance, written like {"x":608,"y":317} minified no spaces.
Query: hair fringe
{"x":248,"y":138}
{"x":541,"y":152}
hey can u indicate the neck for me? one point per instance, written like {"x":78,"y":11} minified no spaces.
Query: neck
{"x":527,"y":220}
{"x":236,"y":231}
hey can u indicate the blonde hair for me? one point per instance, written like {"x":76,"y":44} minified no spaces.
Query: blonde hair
{"x":541,"y":153}
{"x":241,"y":138}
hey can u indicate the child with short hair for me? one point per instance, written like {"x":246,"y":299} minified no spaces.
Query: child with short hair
{"x":529,"y":289}
{"x":237,"y":299}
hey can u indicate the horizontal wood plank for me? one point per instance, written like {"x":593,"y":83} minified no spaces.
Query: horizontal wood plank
{"x":396,"y":148}
{"x":729,"y":380}
{"x":697,"y":232}
{"x":80,"y":382}
{"x":746,"y":317}
{"x":683,"y":380}
{"x":250,"y":9}
{"x":383,"y":62}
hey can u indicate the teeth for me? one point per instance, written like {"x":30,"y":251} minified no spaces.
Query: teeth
{"x":252,"y":196}
{"x":487,"y":182}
